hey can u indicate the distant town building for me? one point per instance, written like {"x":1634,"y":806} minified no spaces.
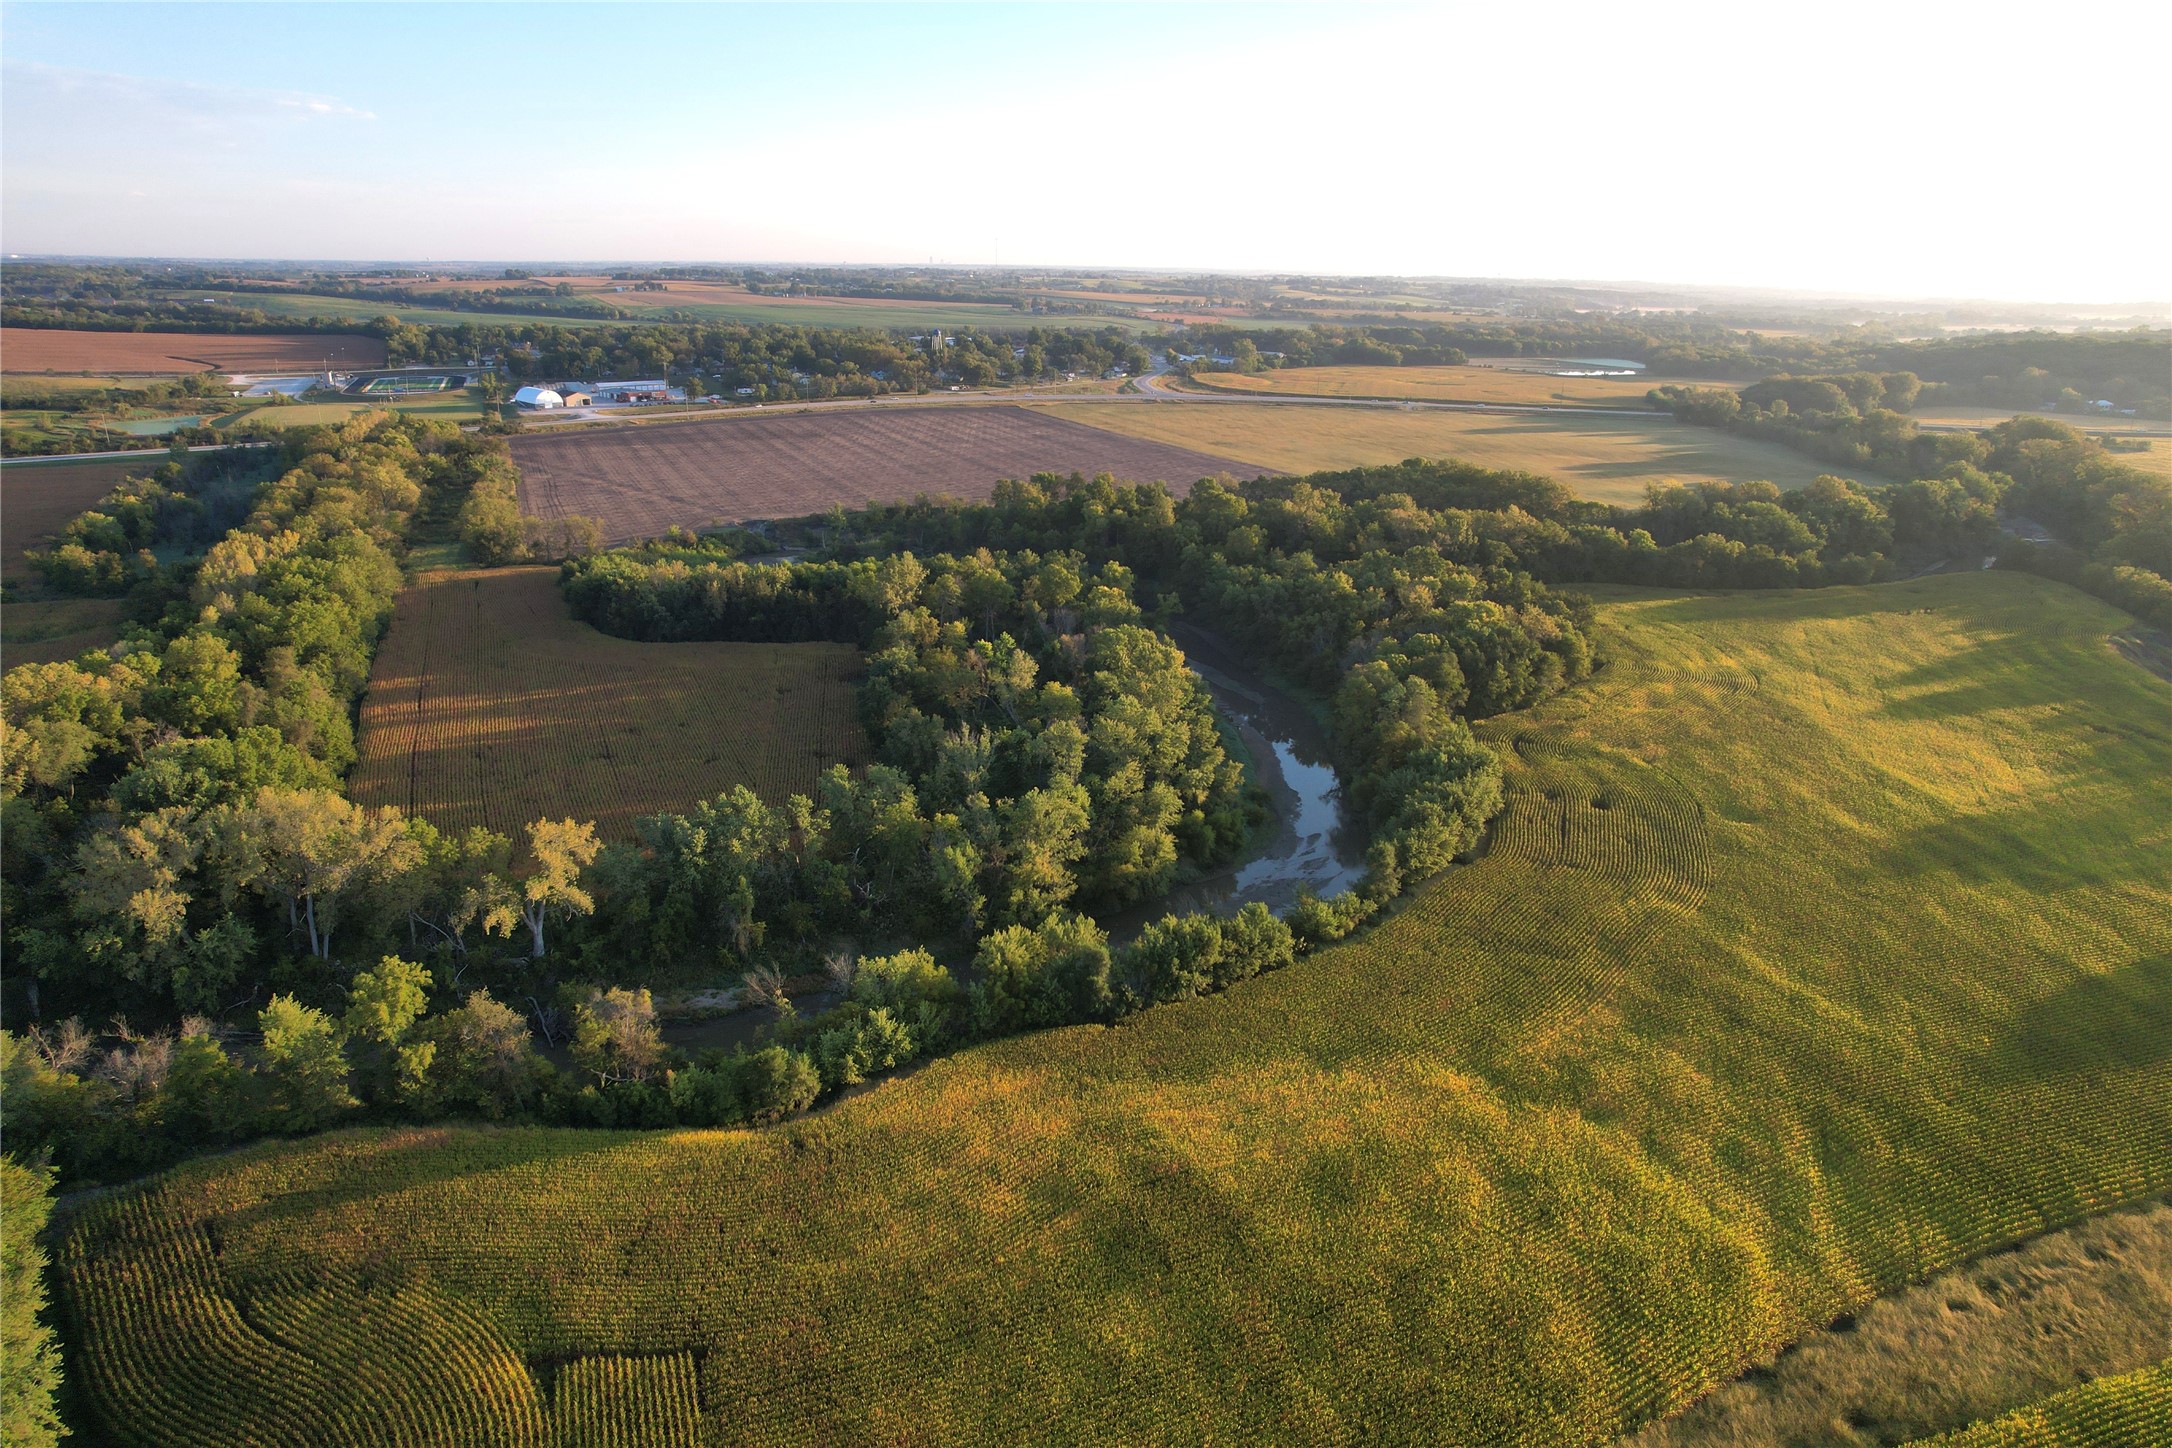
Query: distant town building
{"x":539,"y":397}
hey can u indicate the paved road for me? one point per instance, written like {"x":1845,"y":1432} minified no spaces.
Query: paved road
{"x":126,"y":452}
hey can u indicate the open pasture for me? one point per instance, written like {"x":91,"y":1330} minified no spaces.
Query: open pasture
{"x":37,"y":349}
{"x":38,"y":498}
{"x":1822,"y":945}
{"x":1437,"y":384}
{"x":642,"y":479}
{"x":1611,"y":459}
{"x":490,"y":705}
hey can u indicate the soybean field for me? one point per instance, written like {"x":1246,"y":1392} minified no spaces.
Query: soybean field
{"x":490,"y":705}
{"x":1825,"y":942}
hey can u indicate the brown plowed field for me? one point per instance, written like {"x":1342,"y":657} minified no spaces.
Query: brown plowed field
{"x":641,"y":480}
{"x":38,"y":499}
{"x":38,"y":349}
{"x":491,"y":705}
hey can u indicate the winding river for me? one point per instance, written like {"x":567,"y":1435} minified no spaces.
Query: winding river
{"x":1312,"y":842}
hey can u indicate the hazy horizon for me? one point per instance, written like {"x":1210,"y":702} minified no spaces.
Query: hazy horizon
{"x":1879,"y":155}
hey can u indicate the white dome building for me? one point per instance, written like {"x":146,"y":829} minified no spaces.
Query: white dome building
{"x":537,"y":397}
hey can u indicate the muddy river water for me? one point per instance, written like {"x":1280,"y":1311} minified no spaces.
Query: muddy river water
{"x":1313,"y":840}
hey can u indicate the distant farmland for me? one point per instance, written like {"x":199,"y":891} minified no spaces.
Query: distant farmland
{"x":709,"y":301}
{"x":641,"y":480}
{"x":490,"y":705}
{"x":1610,"y":459}
{"x":37,"y":349}
{"x":1440,"y":384}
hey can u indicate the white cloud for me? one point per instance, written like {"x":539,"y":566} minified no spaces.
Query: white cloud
{"x":57,"y":100}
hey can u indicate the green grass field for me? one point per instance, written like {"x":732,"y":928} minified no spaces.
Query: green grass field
{"x":1611,"y":459}
{"x":1826,"y":941}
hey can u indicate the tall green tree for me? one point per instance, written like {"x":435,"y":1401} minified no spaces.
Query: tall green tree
{"x":29,"y":1357}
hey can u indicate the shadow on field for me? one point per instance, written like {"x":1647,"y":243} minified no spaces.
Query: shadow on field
{"x":2120,"y":1020}
{"x":409,"y":1157}
{"x":2042,"y":845}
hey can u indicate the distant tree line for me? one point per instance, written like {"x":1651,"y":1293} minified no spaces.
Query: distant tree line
{"x":2061,"y":370}
{"x":2113,"y":520}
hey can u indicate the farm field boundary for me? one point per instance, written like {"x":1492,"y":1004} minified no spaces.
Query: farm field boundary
{"x":38,"y":499}
{"x":642,"y":480}
{"x":1999,"y":1332}
{"x":491,"y":705}
{"x":1678,"y":1070}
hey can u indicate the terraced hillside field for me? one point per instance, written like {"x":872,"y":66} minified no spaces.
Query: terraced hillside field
{"x":491,"y":705}
{"x":642,"y":480}
{"x":1826,"y":941}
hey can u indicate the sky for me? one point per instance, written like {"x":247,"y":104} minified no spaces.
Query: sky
{"x":1896,"y":149}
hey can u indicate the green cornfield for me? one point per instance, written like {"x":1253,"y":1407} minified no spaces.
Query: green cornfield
{"x":1826,"y":942}
{"x":2131,"y":1409}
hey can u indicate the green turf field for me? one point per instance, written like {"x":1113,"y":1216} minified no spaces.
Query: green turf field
{"x":1826,"y":941}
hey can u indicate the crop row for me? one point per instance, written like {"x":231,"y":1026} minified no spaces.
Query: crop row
{"x":1712,"y":1044}
{"x":2129,"y":1411}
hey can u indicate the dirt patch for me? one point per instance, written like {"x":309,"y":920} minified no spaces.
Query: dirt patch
{"x":643,"y":480}
{"x":2091,"y":1301}
{"x":38,"y":349}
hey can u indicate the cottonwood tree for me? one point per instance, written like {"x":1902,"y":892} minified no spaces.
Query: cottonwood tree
{"x":310,"y":849}
{"x":559,"y":850}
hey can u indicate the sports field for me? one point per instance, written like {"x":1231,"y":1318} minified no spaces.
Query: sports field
{"x":1438,"y":384}
{"x":36,"y":349}
{"x":490,"y":705}
{"x":1611,"y":459}
{"x":642,"y":480}
{"x":1826,"y":941}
